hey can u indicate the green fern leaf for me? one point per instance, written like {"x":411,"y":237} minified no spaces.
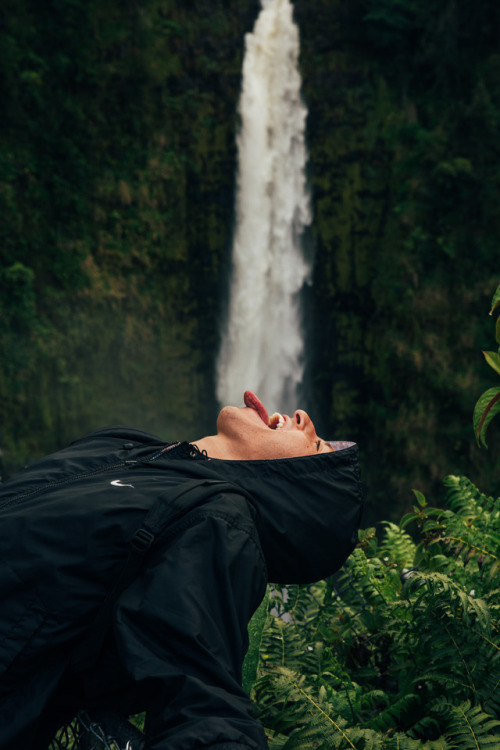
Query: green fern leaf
{"x":397,"y":713}
{"x":469,"y":727}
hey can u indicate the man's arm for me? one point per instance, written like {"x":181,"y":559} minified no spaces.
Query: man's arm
{"x":181,"y":630}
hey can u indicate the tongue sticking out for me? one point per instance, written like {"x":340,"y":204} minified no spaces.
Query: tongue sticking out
{"x":253,"y":402}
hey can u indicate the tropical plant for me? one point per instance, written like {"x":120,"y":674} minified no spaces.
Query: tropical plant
{"x":401,"y":648}
{"x":488,"y":403}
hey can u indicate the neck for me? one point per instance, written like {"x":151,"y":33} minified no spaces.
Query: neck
{"x":215,"y":446}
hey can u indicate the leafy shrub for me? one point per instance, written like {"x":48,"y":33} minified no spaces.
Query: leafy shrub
{"x":401,"y":648}
{"x":488,"y":403}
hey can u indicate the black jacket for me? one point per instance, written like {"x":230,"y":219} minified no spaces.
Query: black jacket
{"x":179,"y":630}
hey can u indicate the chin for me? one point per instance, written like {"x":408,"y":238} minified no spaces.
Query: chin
{"x":228,"y":417}
{"x":225,"y":411}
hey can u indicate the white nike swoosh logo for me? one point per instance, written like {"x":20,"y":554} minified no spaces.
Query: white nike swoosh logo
{"x":118,"y":483}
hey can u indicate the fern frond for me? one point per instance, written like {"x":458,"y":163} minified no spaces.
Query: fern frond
{"x":441,"y":594}
{"x":314,"y":711}
{"x":400,"y":741}
{"x":376,"y":660}
{"x":359,"y":738}
{"x":470,"y":728}
{"x":397,"y":713}
{"x":314,"y":735}
{"x":397,"y":546}
{"x":284,"y":643}
{"x":439,"y":744}
{"x":275,"y":740}
{"x":463,"y":495}
{"x":425,"y":726}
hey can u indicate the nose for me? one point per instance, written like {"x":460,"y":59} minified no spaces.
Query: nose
{"x":303,"y":421}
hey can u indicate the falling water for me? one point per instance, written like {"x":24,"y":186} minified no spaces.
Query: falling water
{"x":262,"y":345}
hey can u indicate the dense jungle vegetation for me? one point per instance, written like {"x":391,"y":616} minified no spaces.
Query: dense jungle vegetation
{"x":400,"y":650}
{"x":117,"y":160}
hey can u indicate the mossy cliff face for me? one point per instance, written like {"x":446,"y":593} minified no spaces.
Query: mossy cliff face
{"x":117,"y":164}
{"x":403,"y":112}
{"x":116,"y":192}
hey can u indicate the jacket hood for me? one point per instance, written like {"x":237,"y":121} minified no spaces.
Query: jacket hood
{"x":309,"y":507}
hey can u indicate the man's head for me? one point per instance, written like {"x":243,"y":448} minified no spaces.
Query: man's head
{"x":245,"y":434}
{"x":308,"y":502}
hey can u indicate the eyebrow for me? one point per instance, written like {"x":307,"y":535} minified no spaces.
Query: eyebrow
{"x":318,"y":445}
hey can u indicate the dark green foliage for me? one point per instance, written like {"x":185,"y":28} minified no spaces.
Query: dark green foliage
{"x":399,"y":650}
{"x":405,"y":180}
{"x":488,"y":404}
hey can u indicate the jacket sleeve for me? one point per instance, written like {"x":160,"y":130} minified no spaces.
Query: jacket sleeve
{"x":181,"y":630}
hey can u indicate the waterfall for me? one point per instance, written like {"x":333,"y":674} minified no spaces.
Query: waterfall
{"x":262,"y":344}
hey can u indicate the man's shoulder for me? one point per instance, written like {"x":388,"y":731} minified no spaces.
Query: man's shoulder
{"x":119,"y":433}
{"x":87,"y":456}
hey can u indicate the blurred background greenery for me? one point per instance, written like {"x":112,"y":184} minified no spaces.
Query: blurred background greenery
{"x":117,"y":172}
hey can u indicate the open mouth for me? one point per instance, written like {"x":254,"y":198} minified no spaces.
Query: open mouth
{"x":275,"y":422}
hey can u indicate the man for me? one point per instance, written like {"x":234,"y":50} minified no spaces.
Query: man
{"x":129,"y":570}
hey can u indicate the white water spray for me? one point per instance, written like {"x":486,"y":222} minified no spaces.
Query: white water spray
{"x":262,"y":345}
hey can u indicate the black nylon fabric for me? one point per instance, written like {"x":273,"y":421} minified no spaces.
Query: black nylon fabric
{"x":310,"y":509}
{"x":179,"y":630}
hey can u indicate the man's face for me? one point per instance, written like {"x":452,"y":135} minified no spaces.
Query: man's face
{"x":250,"y":438}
